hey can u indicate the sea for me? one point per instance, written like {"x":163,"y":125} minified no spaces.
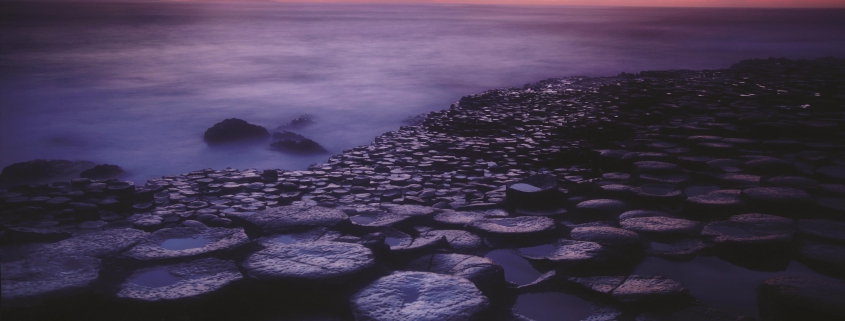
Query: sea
{"x":137,"y":84}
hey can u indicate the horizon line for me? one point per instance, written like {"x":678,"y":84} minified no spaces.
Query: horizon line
{"x":712,"y":4}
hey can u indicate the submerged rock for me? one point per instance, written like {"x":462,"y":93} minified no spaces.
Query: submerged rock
{"x":419,"y":296}
{"x":635,"y":288}
{"x":234,"y":129}
{"x":295,"y":143}
{"x":792,"y":298}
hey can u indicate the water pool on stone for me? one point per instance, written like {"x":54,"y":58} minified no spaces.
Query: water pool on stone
{"x":522,"y":187}
{"x":538,"y":251}
{"x":552,"y":306}
{"x":284,"y":239}
{"x":517,"y":269}
{"x":717,"y":283}
{"x":360,"y":219}
{"x":393,"y":241}
{"x":155,"y":279}
{"x":184,"y":243}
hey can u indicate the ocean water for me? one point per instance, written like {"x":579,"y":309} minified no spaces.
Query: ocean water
{"x":137,"y":84}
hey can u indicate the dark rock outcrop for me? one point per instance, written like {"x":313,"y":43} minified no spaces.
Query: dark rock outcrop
{"x":42,"y":170}
{"x":102,"y":171}
{"x":234,"y":129}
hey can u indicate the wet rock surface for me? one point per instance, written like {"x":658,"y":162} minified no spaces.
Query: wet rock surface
{"x":188,"y":280}
{"x":589,"y":179}
{"x":317,"y":261}
{"x":419,"y":296}
{"x":181,"y":242}
{"x":34,"y":279}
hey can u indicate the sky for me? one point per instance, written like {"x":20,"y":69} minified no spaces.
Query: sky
{"x":647,"y":3}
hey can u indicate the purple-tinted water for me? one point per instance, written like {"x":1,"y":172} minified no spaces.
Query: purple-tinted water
{"x":720,"y":284}
{"x":136,"y":84}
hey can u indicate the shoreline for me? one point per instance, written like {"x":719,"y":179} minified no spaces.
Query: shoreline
{"x":661,"y":164}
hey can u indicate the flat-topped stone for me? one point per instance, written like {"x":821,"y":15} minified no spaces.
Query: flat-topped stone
{"x":751,"y":229}
{"x":287,"y":218}
{"x":312,"y":235}
{"x":635,"y":288}
{"x":375,"y":220}
{"x":309,"y":262}
{"x":826,"y":230}
{"x":192,"y":279}
{"x":660,"y":225}
{"x":399,"y":242}
{"x":777,"y":196}
{"x":419,"y":296}
{"x":514,"y":226}
{"x":181,"y":242}
{"x":654,"y":166}
{"x":827,"y":259}
{"x":458,"y":218}
{"x":458,"y":241}
{"x":605,"y":235}
{"x":832,"y":173}
{"x":566,"y":252}
{"x":40,"y":277}
{"x":681,"y":249}
{"x":481,"y":271}
{"x":412,"y":210}
{"x":601,"y":208}
{"x":715,"y":204}
{"x":98,"y":244}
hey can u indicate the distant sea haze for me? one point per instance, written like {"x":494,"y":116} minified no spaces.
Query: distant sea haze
{"x":137,"y":84}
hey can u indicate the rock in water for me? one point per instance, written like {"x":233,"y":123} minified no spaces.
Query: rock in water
{"x":301,"y":146}
{"x":233,"y":129}
{"x":102,"y":171}
{"x":42,"y":170}
{"x":297,"y":123}
{"x":419,"y":296}
{"x":788,"y":298}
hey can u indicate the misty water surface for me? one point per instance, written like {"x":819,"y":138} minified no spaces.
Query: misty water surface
{"x":137,"y":84}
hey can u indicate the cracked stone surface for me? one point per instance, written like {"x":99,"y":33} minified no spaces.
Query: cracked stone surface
{"x":317,"y":261}
{"x":194,"y":241}
{"x":179,"y":281}
{"x":419,"y":296}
